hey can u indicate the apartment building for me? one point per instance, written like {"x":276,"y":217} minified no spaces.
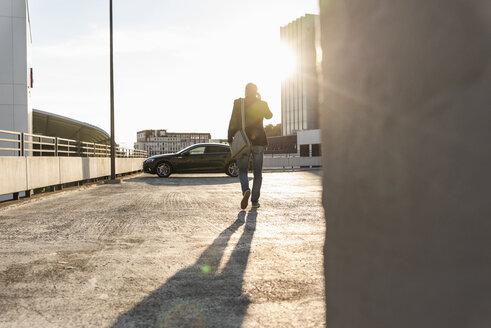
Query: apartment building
{"x":157,"y":142}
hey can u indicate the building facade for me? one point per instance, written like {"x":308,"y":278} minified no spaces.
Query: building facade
{"x":15,"y":67}
{"x":299,"y":91}
{"x":157,"y":142}
{"x":309,"y":143}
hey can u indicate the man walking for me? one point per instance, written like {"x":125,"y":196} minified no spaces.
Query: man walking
{"x":255,"y":111}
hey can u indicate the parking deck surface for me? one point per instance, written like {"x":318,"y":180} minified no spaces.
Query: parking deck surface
{"x":174,"y":252}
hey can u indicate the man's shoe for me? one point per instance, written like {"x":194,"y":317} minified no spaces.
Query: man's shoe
{"x":245,"y":199}
{"x":255,"y":205}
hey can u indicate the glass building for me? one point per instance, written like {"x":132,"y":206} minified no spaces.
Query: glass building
{"x":299,"y":91}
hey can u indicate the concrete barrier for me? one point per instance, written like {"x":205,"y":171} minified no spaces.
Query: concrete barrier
{"x":123,"y":166}
{"x":18,"y":174}
{"x":42,"y":172}
{"x":100,"y":167}
{"x":13,"y":174}
{"x":73,"y":169}
{"x":83,"y":168}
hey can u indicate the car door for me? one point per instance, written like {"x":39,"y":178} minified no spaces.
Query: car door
{"x":193,"y":160}
{"x":216,"y":158}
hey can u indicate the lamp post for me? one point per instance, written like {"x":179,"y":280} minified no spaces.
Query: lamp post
{"x":113,"y":146}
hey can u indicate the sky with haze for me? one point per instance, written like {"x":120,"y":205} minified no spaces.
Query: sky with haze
{"x":179,"y":64}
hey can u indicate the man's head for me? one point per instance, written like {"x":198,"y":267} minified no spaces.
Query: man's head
{"x":250,"y":90}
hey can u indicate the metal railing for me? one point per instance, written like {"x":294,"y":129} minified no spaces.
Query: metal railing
{"x":10,"y":141}
{"x":28,"y":144}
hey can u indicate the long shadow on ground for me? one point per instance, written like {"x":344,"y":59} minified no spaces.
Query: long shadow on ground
{"x":199,"y":296}
{"x":184,"y":180}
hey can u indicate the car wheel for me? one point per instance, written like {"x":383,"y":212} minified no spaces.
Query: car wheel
{"x":232,"y":169}
{"x":164,"y":169}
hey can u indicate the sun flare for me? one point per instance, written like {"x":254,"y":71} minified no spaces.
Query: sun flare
{"x":285,"y":61}
{"x":276,"y":63}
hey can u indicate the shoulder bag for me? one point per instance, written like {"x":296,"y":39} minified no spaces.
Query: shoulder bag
{"x":241,"y":145}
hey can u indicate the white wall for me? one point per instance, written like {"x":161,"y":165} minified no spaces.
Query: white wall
{"x":15,"y":43}
{"x":309,"y":137}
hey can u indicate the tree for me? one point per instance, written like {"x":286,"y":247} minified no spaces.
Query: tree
{"x":273,"y":130}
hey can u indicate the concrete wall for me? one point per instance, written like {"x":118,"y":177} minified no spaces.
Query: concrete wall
{"x":16,"y":179}
{"x":123,"y":165}
{"x":25,"y":173}
{"x":82,"y":168}
{"x":406,"y":120}
{"x":43,"y":171}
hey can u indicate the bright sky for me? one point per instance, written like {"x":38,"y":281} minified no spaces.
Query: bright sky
{"x":179,"y":64}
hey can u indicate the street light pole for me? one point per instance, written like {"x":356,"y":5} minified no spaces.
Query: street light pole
{"x":113,"y":145}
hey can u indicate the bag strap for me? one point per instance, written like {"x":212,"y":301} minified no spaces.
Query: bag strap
{"x":242,"y":113}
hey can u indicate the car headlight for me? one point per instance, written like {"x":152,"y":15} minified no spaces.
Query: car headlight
{"x":150,"y":160}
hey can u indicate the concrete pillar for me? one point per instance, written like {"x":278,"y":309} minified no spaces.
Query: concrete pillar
{"x":406,"y":124}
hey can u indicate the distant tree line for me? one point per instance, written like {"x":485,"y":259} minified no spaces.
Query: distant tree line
{"x":273,"y":130}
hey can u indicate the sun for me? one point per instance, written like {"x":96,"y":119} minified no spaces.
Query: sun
{"x":276,"y":62}
{"x":285,"y":61}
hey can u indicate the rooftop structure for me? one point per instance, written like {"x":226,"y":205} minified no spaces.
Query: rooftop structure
{"x":54,"y":125}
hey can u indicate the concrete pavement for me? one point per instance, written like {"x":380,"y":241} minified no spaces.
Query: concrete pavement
{"x":174,"y":252}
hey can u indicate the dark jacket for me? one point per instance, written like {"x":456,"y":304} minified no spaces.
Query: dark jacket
{"x":255,"y":111}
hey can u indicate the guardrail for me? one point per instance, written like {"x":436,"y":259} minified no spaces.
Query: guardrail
{"x":29,"y":162}
{"x":28,"y":144}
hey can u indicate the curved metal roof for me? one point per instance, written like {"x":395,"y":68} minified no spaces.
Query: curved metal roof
{"x":55,"y":125}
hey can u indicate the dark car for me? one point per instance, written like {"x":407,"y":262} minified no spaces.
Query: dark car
{"x":197,"y":158}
